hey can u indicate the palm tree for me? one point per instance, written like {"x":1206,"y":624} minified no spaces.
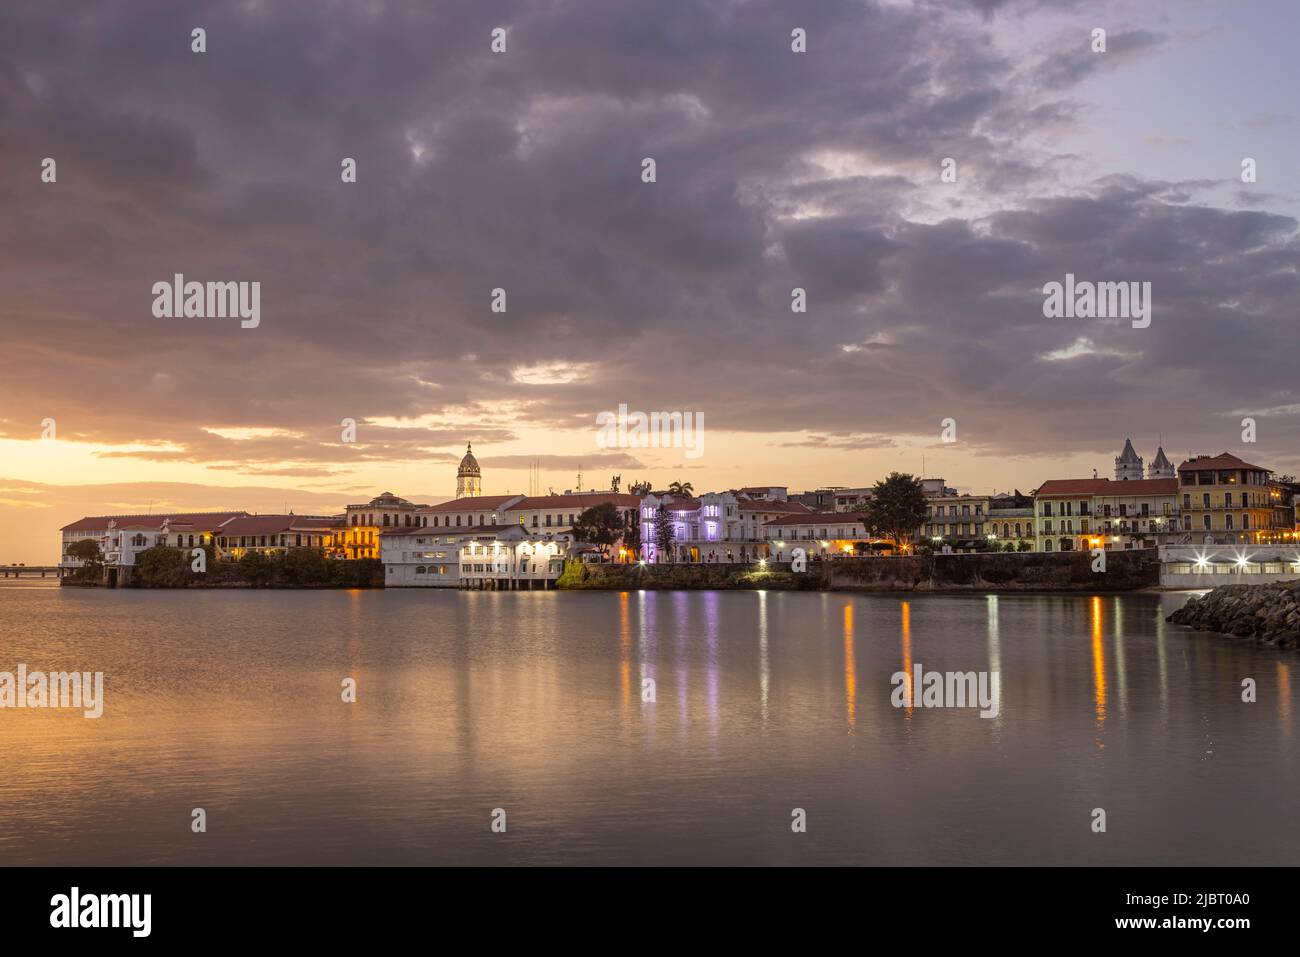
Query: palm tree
{"x":680,"y":488}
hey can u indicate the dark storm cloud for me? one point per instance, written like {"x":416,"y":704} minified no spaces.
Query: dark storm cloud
{"x":522,"y":171}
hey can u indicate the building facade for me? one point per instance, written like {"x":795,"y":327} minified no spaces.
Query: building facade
{"x":1225,"y":500}
{"x":1092,"y":513}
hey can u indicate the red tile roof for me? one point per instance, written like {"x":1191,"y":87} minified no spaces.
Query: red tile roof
{"x":274,"y":524}
{"x":825,"y":519}
{"x":473,"y":503}
{"x":201,"y":521}
{"x":1101,"y":486}
{"x":576,"y":501}
{"x":761,"y":506}
{"x":1224,"y":460}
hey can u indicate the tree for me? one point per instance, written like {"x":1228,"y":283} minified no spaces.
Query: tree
{"x":664,"y":534}
{"x":599,"y":525}
{"x":897,"y":508}
{"x":680,"y":488}
{"x":302,"y":566}
{"x":256,"y":569}
{"x":639,"y":488}
{"x":632,"y":533}
{"x":91,"y":558}
{"x":161,"y":567}
{"x":616,"y":484}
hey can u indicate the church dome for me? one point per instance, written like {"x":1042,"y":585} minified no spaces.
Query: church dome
{"x":469,"y":464}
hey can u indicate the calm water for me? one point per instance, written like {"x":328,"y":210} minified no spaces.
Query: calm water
{"x":531,"y":702}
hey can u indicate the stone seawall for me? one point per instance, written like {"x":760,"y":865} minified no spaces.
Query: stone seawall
{"x":997,"y":571}
{"x":1268,"y":613}
{"x":775,"y":575}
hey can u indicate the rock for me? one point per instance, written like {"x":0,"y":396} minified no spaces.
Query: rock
{"x":1268,"y":613}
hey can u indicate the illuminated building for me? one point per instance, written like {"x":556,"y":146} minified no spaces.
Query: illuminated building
{"x":1225,"y":500}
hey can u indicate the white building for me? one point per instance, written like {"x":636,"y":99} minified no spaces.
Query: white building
{"x":512,"y":558}
{"x":421,"y":557}
{"x":122,"y":537}
{"x":819,"y":534}
{"x":474,"y":511}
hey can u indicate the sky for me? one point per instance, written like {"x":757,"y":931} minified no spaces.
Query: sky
{"x":522,"y":170}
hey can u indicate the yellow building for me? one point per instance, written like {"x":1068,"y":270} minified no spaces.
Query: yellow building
{"x":359,"y":536}
{"x":1223,"y":500}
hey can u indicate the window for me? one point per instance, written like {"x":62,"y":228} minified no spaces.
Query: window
{"x":1227,"y":522}
{"x":1227,"y":499}
{"x":1047,"y":510}
{"x":1207,"y":522}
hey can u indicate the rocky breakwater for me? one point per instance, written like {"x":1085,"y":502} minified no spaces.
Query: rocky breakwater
{"x":1267,"y":613}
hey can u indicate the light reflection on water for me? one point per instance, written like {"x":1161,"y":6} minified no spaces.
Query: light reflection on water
{"x":764,"y":701}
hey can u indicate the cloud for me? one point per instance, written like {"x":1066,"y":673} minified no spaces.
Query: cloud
{"x":775,"y":170}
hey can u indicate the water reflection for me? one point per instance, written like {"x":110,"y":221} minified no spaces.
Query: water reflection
{"x":1098,"y":667}
{"x":906,"y":622}
{"x":764,"y":675}
{"x":713,"y":652}
{"x":850,"y":672}
{"x":995,"y":652}
{"x":523,"y":700}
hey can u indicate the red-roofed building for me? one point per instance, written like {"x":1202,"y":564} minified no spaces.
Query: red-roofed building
{"x":819,"y":534}
{"x":1225,"y":500}
{"x":277,"y":533}
{"x":557,"y":513}
{"x":1074,"y":514}
{"x":122,"y":537}
{"x":478,"y":510}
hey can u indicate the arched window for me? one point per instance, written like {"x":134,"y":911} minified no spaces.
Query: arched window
{"x":419,"y":569}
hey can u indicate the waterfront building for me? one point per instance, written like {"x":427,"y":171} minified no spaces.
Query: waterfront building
{"x":754,"y":514}
{"x":557,"y":513}
{"x":359,"y":536}
{"x":420,"y":557}
{"x":1225,"y":500}
{"x":1011,"y":521}
{"x":122,"y":537}
{"x":819,"y":534}
{"x":1106,"y":513}
{"x":276,"y":533}
{"x":469,"y":478}
{"x":956,"y":521}
{"x":710,"y":528}
{"x":478,"y":510}
{"x":512,"y":557}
